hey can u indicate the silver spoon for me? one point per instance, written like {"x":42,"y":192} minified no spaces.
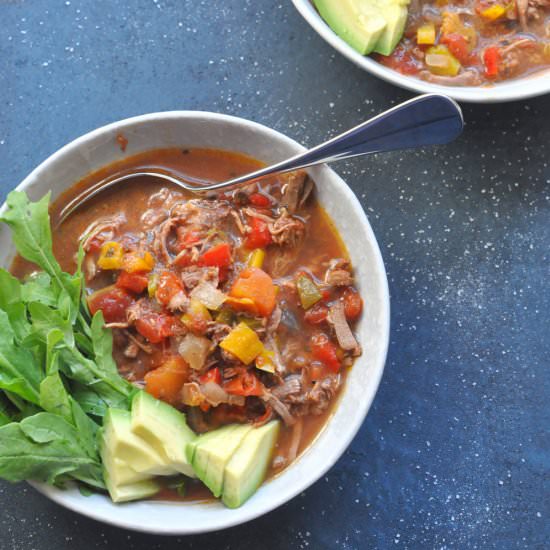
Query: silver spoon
{"x":430,"y":119}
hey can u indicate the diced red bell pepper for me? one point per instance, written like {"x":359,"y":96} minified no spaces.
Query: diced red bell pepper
{"x":217,"y":256}
{"x":325,"y":351}
{"x":135,"y":282}
{"x":212,"y":375}
{"x":259,"y":236}
{"x":491,"y":59}
{"x":113,"y":302}
{"x":155,"y":327}
{"x":169,"y":284}
{"x":260,"y":200}
{"x":245,"y":384}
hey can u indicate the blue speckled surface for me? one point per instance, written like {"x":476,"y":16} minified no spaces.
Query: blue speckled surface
{"x":455,"y":451}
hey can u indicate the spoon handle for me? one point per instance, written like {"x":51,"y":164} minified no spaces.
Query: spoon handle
{"x":430,"y":119}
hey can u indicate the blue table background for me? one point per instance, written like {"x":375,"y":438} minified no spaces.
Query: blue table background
{"x":455,"y":450}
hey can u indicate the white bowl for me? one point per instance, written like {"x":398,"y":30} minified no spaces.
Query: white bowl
{"x":521,"y":88}
{"x":199,"y":129}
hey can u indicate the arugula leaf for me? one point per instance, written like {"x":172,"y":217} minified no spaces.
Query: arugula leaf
{"x":45,"y":447}
{"x":5,"y":411}
{"x":38,"y":288}
{"x":10,"y":290}
{"x":102,"y":341}
{"x":91,"y":403}
{"x":19,"y":373}
{"x":54,"y":397}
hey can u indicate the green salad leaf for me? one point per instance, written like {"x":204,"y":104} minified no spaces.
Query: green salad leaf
{"x":57,"y":373}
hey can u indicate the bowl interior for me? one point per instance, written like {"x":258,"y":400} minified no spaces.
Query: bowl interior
{"x":522,"y":88}
{"x":193,"y":129}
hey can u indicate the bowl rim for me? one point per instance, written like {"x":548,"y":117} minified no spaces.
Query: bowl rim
{"x":512,"y":90}
{"x":376,"y":371}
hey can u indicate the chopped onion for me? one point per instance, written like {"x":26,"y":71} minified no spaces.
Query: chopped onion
{"x":209,"y":295}
{"x":195,"y":350}
{"x":215,"y":395}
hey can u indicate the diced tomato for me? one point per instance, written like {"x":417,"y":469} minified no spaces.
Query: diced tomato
{"x":491,"y":59}
{"x":166,"y":381}
{"x":217,"y":256}
{"x":259,"y":236}
{"x":260,"y":200}
{"x":212,"y":375}
{"x":155,"y":327}
{"x":135,"y":282}
{"x":256,"y":287}
{"x":113,"y":302}
{"x":400,"y":60}
{"x":458,"y":45}
{"x":317,"y":371}
{"x":187,"y":237}
{"x":316,"y":314}
{"x":353,"y":304}
{"x":95,"y":244}
{"x":168,"y":286}
{"x":325,"y":351}
{"x":245,"y":384}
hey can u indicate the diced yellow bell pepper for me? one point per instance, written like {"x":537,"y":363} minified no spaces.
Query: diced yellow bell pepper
{"x":243,"y":343}
{"x":110,"y":256}
{"x":265,"y":361}
{"x":496,"y":11}
{"x":426,"y":34}
{"x":134,"y":262}
{"x":256,"y":258}
{"x":441,"y":61}
{"x":239,"y":301}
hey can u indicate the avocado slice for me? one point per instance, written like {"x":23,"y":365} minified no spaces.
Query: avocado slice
{"x":123,"y":444}
{"x":132,"y":491}
{"x":247,"y":468}
{"x":361,"y":29}
{"x":395,"y":13}
{"x":164,"y":428}
{"x":118,"y":471}
{"x":213,"y":450}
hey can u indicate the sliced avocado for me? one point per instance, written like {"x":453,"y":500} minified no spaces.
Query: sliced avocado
{"x":213,"y":451}
{"x":123,"y":444}
{"x":164,"y":428}
{"x":132,"y":491}
{"x":395,"y":13}
{"x":360,"y":29}
{"x":118,"y":471}
{"x":248,"y":466}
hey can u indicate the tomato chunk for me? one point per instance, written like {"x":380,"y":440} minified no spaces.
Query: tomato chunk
{"x":259,"y":236}
{"x":166,"y":381}
{"x":260,"y":200}
{"x":168,"y":286}
{"x":113,"y":302}
{"x":135,"y":282}
{"x":217,"y":256}
{"x":458,"y":45}
{"x":212,"y":375}
{"x":316,"y":315}
{"x":155,"y":327}
{"x":245,"y":384}
{"x":325,"y":351}
{"x":353,"y":304}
